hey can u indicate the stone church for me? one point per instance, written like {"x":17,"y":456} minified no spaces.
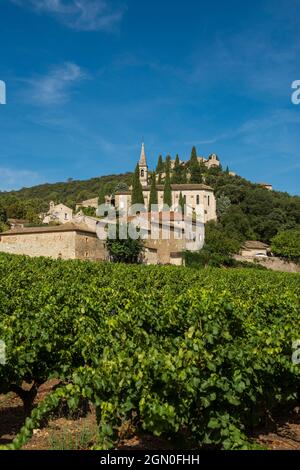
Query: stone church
{"x":195,"y":196}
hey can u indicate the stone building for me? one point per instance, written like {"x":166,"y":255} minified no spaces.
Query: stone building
{"x":253,"y":248}
{"x":66,"y":241}
{"x":58,"y":213}
{"x":266,"y":186}
{"x":88,"y":203}
{"x":196,"y":196}
{"x":165,"y":234}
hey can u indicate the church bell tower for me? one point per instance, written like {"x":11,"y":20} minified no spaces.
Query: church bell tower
{"x":143,"y":167}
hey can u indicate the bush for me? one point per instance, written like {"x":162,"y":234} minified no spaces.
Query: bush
{"x":287,"y":245}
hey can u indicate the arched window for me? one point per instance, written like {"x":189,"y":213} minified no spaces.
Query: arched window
{"x":142,"y":173}
{"x":197,"y":199}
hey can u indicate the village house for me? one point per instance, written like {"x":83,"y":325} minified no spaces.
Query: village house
{"x":88,"y":203}
{"x":254,"y":248}
{"x":58,"y":213}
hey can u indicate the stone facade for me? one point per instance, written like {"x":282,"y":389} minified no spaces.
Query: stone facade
{"x":252,"y":248}
{"x":88,"y":203}
{"x":196,"y":196}
{"x":58,"y":213}
{"x":69,"y":241}
{"x":211,"y":161}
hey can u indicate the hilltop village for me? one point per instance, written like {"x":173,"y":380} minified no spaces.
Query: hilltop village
{"x":69,"y":234}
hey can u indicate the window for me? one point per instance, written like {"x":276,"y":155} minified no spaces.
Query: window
{"x":197,"y":199}
{"x":142,"y":173}
{"x":66,"y":216}
{"x":208,"y":200}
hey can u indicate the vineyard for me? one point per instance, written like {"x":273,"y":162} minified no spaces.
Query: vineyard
{"x":201,"y":354}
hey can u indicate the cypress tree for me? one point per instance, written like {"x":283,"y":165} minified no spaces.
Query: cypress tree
{"x":168,"y":190}
{"x":178,"y":172}
{"x":102,"y":194}
{"x":193,"y":158}
{"x":153,"y":199}
{"x":159,"y":168}
{"x":181,"y":202}
{"x":168,"y":163}
{"x":160,"y":165}
{"x":195,"y":171}
{"x":137,"y":189}
{"x":195,"y":168}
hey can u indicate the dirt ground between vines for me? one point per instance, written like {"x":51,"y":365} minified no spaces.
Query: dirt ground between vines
{"x":79,"y":433}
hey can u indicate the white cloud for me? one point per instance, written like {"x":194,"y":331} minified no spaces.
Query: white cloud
{"x":81,"y":15}
{"x":14,"y":179}
{"x":55,"y":87}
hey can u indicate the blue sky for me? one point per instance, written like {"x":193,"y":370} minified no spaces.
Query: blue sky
{"x":87,"y":80}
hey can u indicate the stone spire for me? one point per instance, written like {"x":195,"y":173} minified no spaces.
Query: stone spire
{"x":143,"y":161}
{"x":143,"y":167}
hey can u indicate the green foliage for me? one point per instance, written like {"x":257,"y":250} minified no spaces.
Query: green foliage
{"x":167,"y":191}
{"x":195,"y":168}
{"x":121,"y":187}
{"x":89,"y":211}
{"x":178,"y":173}
{"x":174,"y":350}
{"x":104,"y":191}
{"x":32,"y":217}
{"x":168,"y":164}
{"x":219,"y":241}
{"x":160,"y":165}
{"x":137,"y":189}
{"x":181,"y":201}
{"x":287,"y":245}
{"x":236,"y":224}
{"x":218,"y":249}
{"x":267,"y":212}
{"x":3,"y":227}
{"x":193,"y":158}
{"x":124,"y":250}
{"x":223,"y":204}
{"x":69,"y":193}
{"x":3,"y":215}
{"x":153,"y":199}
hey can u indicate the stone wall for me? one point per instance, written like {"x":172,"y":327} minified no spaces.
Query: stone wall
{"x":164,"y":248}
{"x":88,"y":246}
{"x":273,"y":263}
{"x":51,"y":244}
